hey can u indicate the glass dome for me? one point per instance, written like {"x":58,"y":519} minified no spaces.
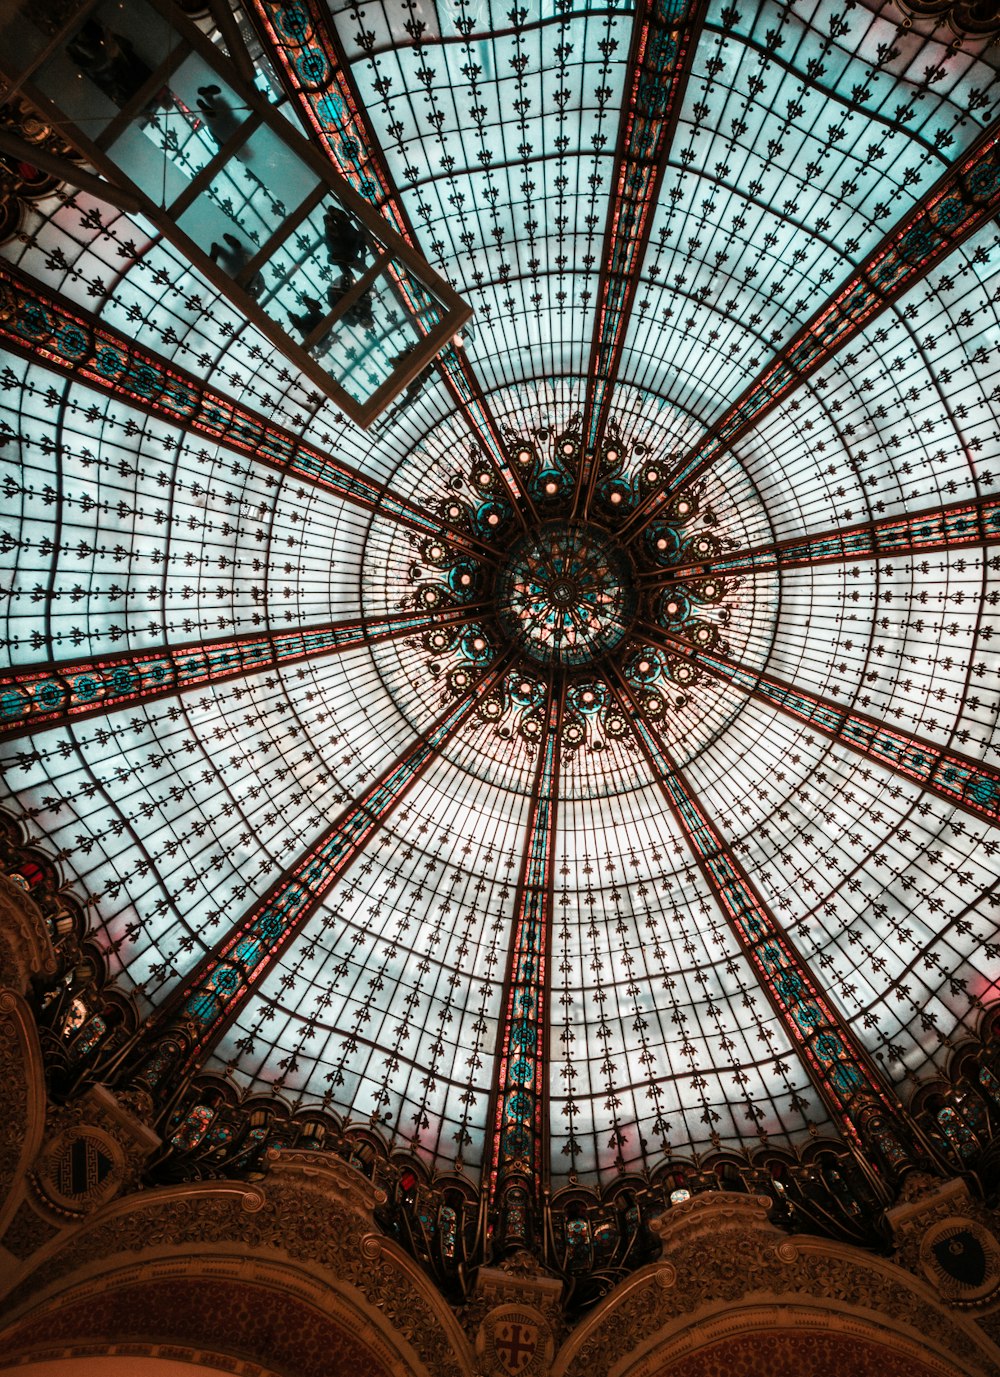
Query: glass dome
{"x":516,"y":775}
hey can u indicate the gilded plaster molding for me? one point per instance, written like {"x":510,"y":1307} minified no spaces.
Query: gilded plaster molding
{"x":22,"y":1123}
{"x":705,"y":1330}
{"x":721,"y":1254}
{"x":222,"y":1282}
{"x":95,"y":1148}
{"x":25,"y":946}
{"x":296,"y":1216}
{"x":344,"y":1181}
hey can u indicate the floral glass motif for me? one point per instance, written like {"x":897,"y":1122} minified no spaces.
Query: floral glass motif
{"x":752,"y":350}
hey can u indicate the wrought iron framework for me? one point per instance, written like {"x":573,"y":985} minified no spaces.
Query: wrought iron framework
{"x":390,"y":313}
{"x":473,"y":791}
{"x":964,"y":200}
{"x":658,"y":67}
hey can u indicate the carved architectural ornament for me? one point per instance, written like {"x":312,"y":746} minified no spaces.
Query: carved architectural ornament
{"x":95,"y":1147}
{"x":298,"y":1247}
{"x":721,"y":1255}
{"x":292,"y":1266}
{"x":777,"y":1340}
{"x":949,"y":1238}
{"x":265,"y":1313}
{"x":515,"y":1317}
{"x":23,"y":1117}
{"x":25,"y":946}
{"x":304,"y":1217}
{"x":515,"y":1341}
{"x":967,"y":19}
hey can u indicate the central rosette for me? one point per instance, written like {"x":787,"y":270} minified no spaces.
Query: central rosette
{"x":617,"y":604}
{"x":566,"y":593}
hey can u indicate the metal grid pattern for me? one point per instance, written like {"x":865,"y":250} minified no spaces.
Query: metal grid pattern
{"x":804,"y":137}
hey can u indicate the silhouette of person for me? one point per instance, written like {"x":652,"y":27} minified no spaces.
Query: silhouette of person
{"x":360,"y":311}
{"x":232,"y":257}
{"x":110,"y":61}
{"x":221,"y":120}
{"x":345,"y":241}
{"x":307,"y":321}
{"x":413,"y":389}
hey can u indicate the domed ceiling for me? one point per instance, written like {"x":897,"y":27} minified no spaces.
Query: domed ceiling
{"x":612,"y":772}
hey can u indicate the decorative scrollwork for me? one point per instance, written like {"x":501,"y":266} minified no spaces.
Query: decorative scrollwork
{"x":966,"y":18}
{"x":568,"y":595}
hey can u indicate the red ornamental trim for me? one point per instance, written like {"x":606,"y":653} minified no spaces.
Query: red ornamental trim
{"x":39,"y":696}
{"x":665,"y":38}
{"x":958,"y":525}
{"x":317,"y":77}
{"x":836,"y":1064}
{"x":961,"y":780}
{"x":213,"y":994}
{"x":958,"y":779}
{"x":518,"y":1125}
{"x":315,"y":72}
{"x":963,"y":201}
{"x":42,"y":325}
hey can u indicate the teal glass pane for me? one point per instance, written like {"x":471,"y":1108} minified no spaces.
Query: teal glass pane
{"x":256,"y":190}
{"x":805,"y":135}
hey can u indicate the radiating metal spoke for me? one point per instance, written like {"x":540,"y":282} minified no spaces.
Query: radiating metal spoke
{"x":39,"y":696}
{"x":355,"y":152}
{"x":956,"y":526}
{"x":516,"y":1168}
{"x":42,"y":325}
{"x":959,"y":779}
{"x":210,"y":998}
{"x":838,"y":1065}
{"x":961,"y":202}
{"x":664,"y":40}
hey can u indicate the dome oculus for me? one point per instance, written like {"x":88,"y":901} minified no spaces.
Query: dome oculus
{"x":567,"y":594}
{"x":554,"y":592}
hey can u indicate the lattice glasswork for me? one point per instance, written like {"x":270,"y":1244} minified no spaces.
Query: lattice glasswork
{"x":144,"y":97}
{"x":640,"y":663}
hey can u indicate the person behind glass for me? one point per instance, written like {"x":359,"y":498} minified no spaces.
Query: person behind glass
{"x":306,"y":321}
{"x":345,"y":241}
{"x":109,"y":60}
{"x":412,"y":391}
{"x":232,"y":257}
{"x":359,"y":312}
{"x":221,"y":120}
